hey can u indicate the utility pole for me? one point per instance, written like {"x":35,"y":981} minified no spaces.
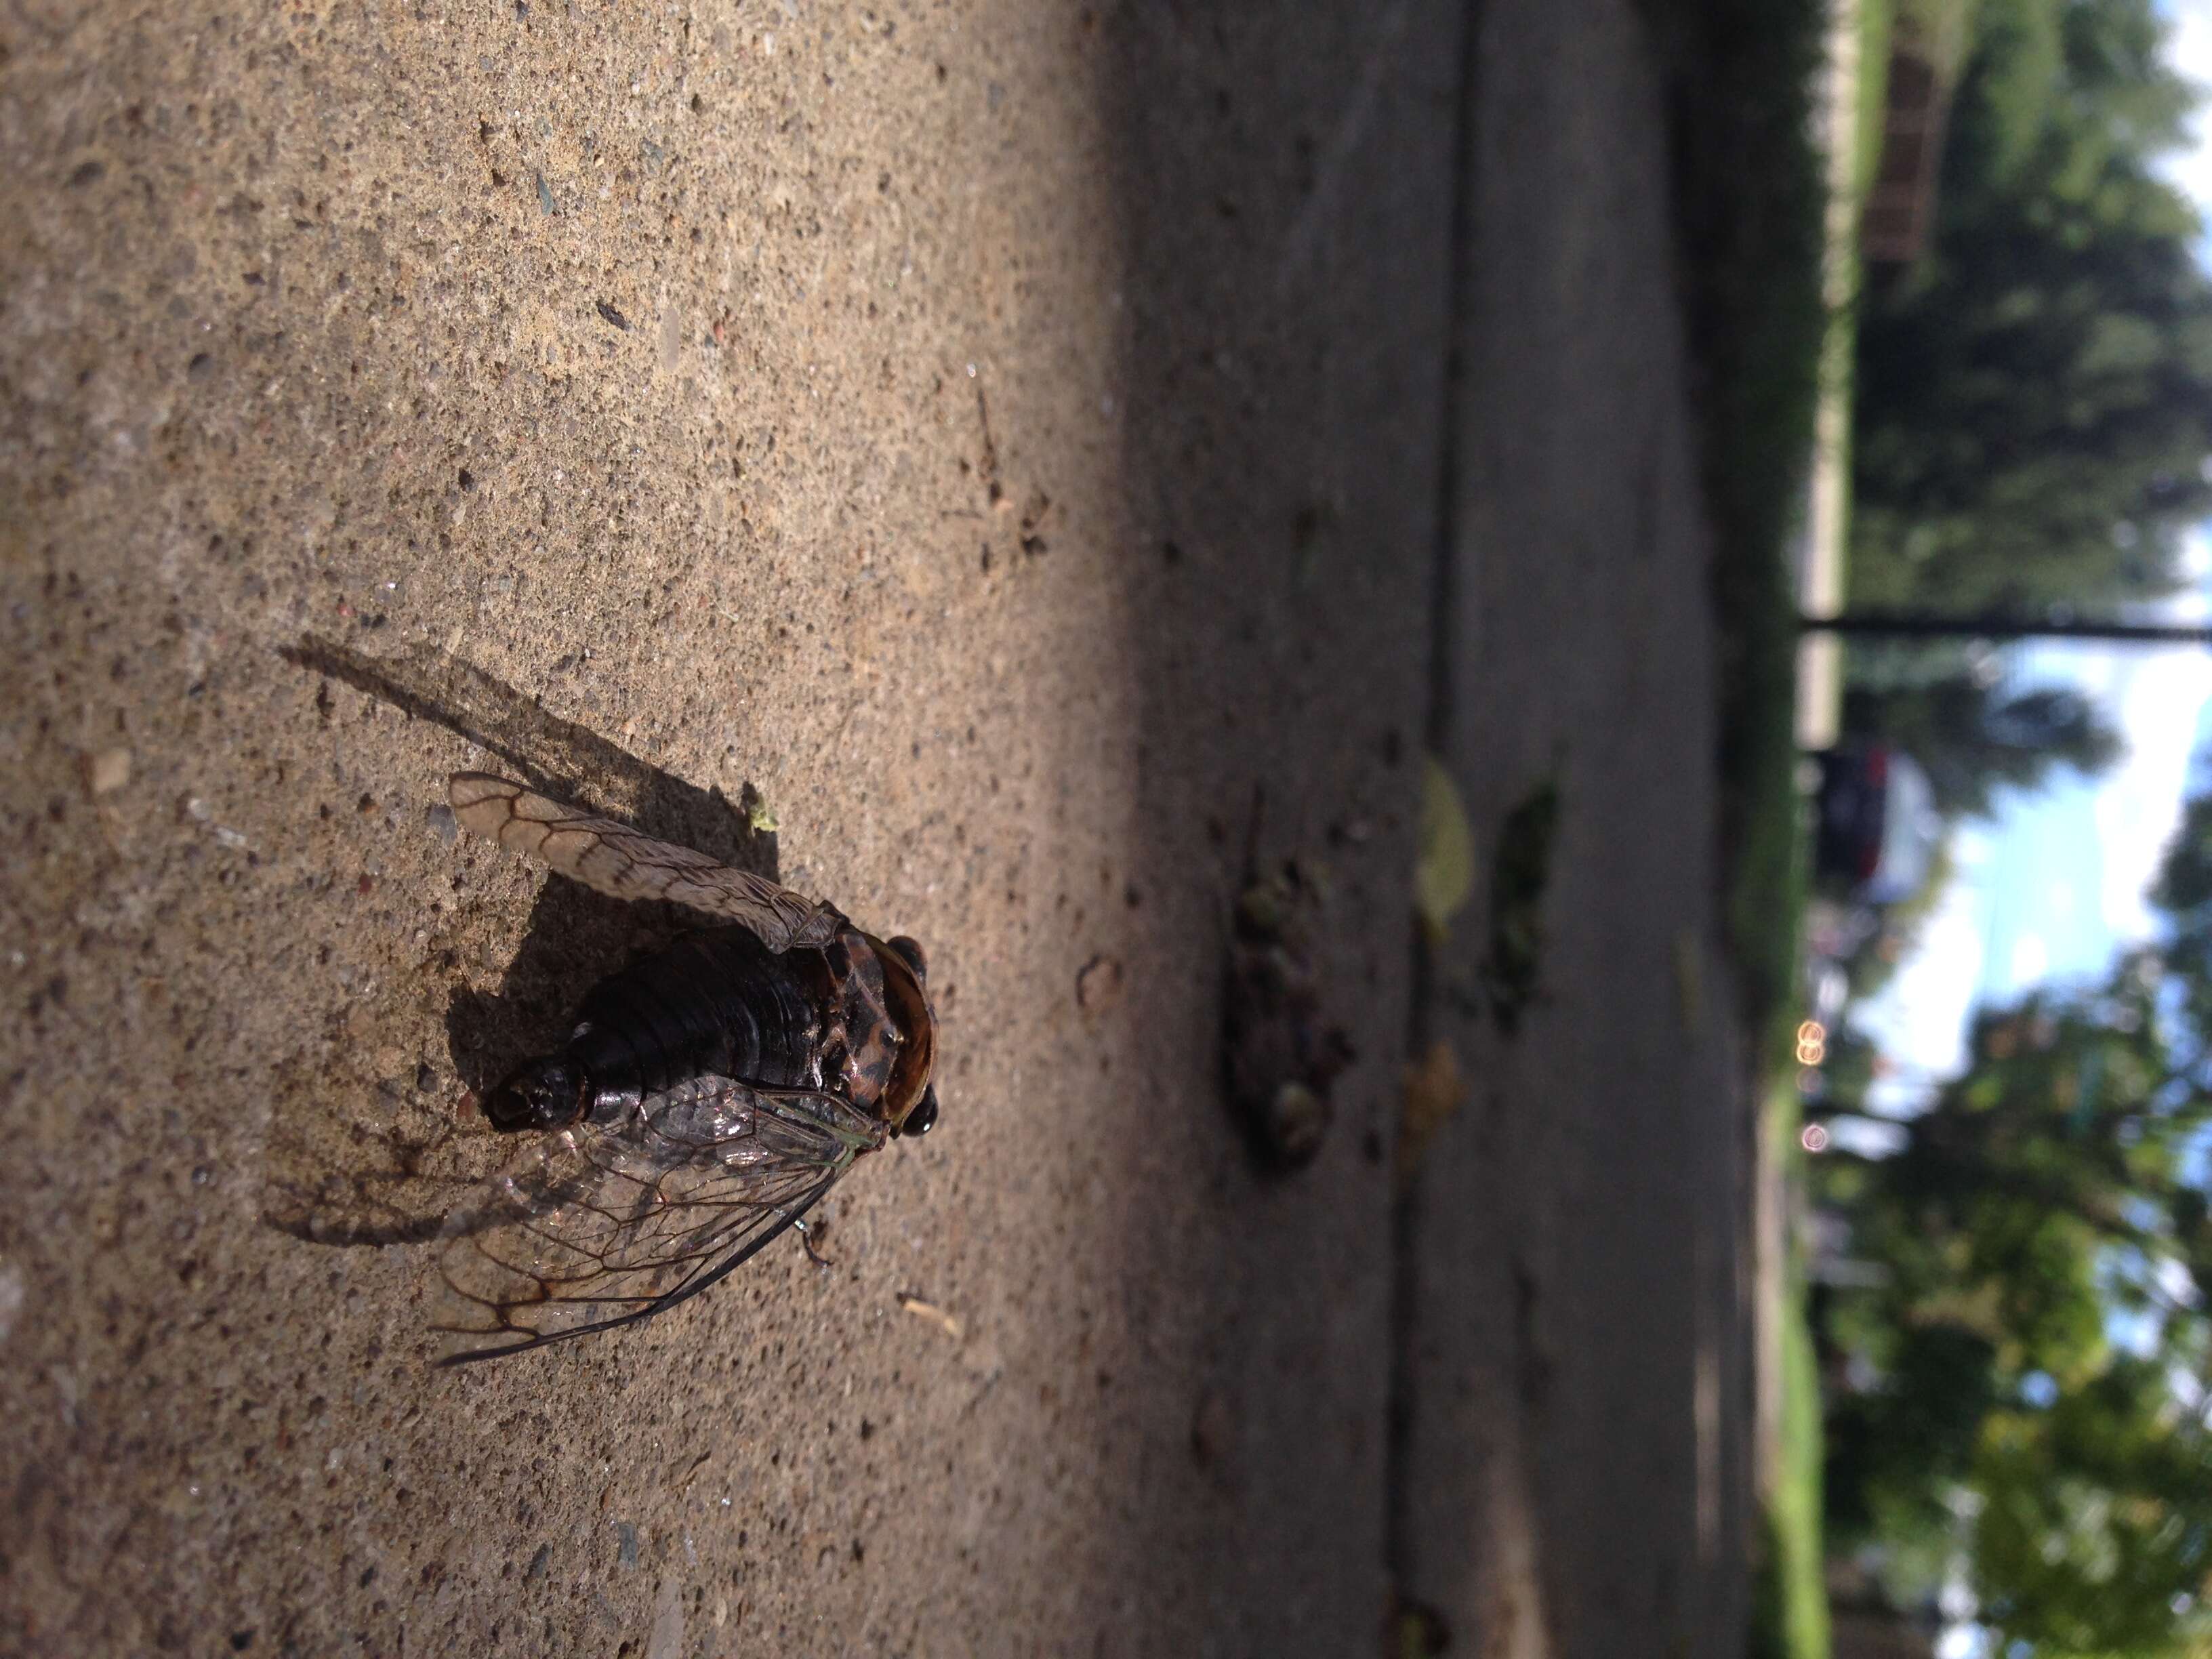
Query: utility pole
{"x":1923,"y":625}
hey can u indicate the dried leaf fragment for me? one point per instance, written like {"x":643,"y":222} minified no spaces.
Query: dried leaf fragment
{"x":1520,"y":873}
{"x":1443,"y":869}
{"x":1435,"y":1089}
{"x":932,"y":1312}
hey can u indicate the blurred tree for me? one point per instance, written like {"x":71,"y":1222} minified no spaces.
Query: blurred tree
{"x":2184,"y":892}
{"x":2094,"y":1530}
{"x":1895,"y":1453}
{"x":1970,"y":738}
{"x":2033,"y":399}
{"x":2041,"y":1338}
{"x":1852,"y":1063}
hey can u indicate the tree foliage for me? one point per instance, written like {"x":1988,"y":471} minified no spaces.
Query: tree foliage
{"x":2033,"y":399}
{"x":2184,"y":892}
{"x":2038,"y":1355}
{"x":1972,"y":739}
{"x":2049,"y":1278}
{"x":2032,"y":1371}
{"x":2094,"y":1534}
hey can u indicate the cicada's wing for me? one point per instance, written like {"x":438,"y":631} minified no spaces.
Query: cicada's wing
{"x":625,"y":864}
{"x":598,"y":1225}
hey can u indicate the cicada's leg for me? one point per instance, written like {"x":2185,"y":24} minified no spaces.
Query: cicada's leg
{"x":805,"y":1228}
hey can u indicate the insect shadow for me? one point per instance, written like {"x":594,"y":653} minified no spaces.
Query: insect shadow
{"x":371,"y":1160}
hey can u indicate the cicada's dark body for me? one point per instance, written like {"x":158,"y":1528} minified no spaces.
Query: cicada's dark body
{"x":707,"y":1095}
{"x":719,"y":1003}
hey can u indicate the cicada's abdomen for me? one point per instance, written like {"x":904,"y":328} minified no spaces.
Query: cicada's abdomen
{"x":716,"y":1003}
{"x":712,"y":1002}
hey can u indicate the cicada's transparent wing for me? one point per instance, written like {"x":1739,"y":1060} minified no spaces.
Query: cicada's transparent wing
{"x":599,"y":1225}
{"x":625,"y":864}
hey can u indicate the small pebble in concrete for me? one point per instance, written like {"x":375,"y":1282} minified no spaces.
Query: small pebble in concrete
{"x":666,"y":1638}
{"x":13,"y":1293}
{"x":1098,"y":984}
{"x":111,"y":770}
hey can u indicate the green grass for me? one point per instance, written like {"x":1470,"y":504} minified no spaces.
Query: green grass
{"x":1877,"y":18}
{"x":1789,"y":1597}
{"x":1750,"y":198}
{"x":1839,"y":339}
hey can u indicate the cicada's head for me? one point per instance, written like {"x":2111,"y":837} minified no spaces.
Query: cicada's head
{"x":909,"y":1100}
{"x":549,"y":1093}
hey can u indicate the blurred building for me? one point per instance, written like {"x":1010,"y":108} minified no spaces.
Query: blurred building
{"x":1900,"y":203}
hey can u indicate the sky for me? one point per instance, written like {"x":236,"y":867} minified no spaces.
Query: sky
{"x":2190,"y":47}
{"x":2053,"y":884}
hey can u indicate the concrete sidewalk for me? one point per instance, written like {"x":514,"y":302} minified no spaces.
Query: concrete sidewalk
{"x":1579,"y":1366}
{"x":1002,"y":437}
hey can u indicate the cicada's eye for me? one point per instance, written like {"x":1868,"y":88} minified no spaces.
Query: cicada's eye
{"x":923,"y":1117}
{"x":910,"y":952}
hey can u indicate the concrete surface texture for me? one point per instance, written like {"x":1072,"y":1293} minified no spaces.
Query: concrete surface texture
{"x":1002,"y":437}
{"x":1578,"y":1319}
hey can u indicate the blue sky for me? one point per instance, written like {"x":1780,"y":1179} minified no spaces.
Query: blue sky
{"x":2051,"y":884}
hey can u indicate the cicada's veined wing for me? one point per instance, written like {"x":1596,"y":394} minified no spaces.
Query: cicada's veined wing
{"x":601,"y":1225}
{"x":626,"y":863}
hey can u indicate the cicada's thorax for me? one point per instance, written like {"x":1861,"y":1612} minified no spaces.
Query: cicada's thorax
{"x":720,"y":1003}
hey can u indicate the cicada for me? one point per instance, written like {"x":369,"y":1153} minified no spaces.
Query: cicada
{"x":707,"y":1096}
